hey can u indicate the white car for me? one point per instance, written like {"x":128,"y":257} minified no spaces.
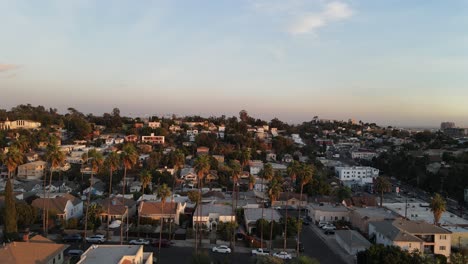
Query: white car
{"x":221,"y":249}
{"x":328,"y":227}
{"x":322,"y":223}
{"x":282,"y":255}
{"x":140,"y":241}
{"x":115,"y":224}
{"x":260,"y":252}
{"x":96,"y":239}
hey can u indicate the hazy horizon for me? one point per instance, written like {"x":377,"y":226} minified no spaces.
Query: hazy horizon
{"x":399,"y":63}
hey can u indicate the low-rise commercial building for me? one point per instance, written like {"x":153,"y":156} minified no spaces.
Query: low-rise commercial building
{"x":116,"y":254}
{"x":328,"y":212}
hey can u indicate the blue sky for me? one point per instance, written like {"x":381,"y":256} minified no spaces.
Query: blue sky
{"x":391,"y":62}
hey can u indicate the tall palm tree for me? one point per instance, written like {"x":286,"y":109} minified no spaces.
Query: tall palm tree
{"x":129,"y":158}
{"x":163,"y":193}
{"x":56,"y":159}
{"x":305,"y":176}
{"x":274,"y":191}
{"x":145,"y":179}
{"x":235,"y":174}
{"x":112,"y":163}
{"x":382,"y":185}
{"x":438,"y":207}
{"x":96,"y":159}
{"x":12,"y":159}
{"x":179,"y":161}
{"x":293,"y":170}
{"x":202,"y":167}
{"x":267,"y":175}
{"x":245,"y":157}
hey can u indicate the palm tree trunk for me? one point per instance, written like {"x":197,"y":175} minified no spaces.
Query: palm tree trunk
{"x":200,"y":229}
{"x":43,"y":204}
{"x":48,"y":203}
{"x":109,"y":203}
{"x":286,"y":224}
{"x":299,"y":219}
{"x":123,"y":203}
{"x":196,"y":228}
{"x":271,"y":229}
{"x":381,"y":198}
{"x":233,"y":212}
{"x":88,"y":200}
{"x":160,"y":231}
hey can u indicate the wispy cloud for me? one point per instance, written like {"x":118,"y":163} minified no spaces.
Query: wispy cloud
{"x":7,"y":67}
{"x":332,"y":12}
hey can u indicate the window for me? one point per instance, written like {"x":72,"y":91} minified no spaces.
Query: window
{"x":442,"y":248}
{"x":409,"y":245}
{"x":443,"y":237}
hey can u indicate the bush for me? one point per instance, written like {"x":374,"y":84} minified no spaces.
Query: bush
{"x":72,"y":223}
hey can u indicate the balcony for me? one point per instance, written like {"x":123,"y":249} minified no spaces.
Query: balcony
{"x":426,"y":238}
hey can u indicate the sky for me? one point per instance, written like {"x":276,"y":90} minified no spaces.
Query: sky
{"x":394,"y":62}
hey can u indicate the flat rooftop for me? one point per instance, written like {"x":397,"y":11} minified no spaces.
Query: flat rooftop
{"x":100,"y":254}
{"x":421,"y":211}
{"x":353,"y":238}
{"x":328,"y":207}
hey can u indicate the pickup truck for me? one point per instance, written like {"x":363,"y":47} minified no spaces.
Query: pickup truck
{"x":260,"y":252}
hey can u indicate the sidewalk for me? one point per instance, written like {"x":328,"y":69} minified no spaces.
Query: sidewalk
{"x":333,"y":245}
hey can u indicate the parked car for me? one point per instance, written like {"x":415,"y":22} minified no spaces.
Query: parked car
{"x":282,"y":255}
{"x":329,"y":232}
{"x":260,"y":252}
{"x":140,"y":241}
{"x":75,"y":253}
{"x":164,"y":243}
{"x":72,"y":238}
{"x":221,"y":249}
{"x":115,"y":224}
{"x":322,"y":223}
{"x":328,"y":227}
{"x":306,"y":222}
{"x":96,"y":239}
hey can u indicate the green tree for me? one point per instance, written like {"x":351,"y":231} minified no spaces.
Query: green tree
{"x":274,"y":191}
{"x":305,"y":260}
{"x":438,"y":207}
{"x":25,"y":214}
{"x":9,"y":217}
{"x":293,"y":170}
{"x":235,"y":175}
{"x":12,"y":159}
{"x":268,"y":260}
{"x":382,"y":185}
{"x":343,"y":192}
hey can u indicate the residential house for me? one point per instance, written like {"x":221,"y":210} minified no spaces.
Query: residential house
{"x":203,"y":151}
{"x":328,"y":212}
{"x":154,"y":124}
{"x":251,"y":215}
{"x":116,"y":254}
{"x":255,"y":166}
{"x":24,"y":124}
{"x":131,"y":138}
{"x":360,"y":175}
{"x":31,"y":156}
{"x":66,"y":206}
{"x":32,"y":170}
{"x":155,"y":211}
{"x":212,"y":176}
{"x":412,"y":235}
{"x":291,"y":200}
{"x":37,"y":250}
{"x":361,"y":217}
{"x":152,"y":139}
{"x":351,"y":241}
{"x":287,"y":158}
{"x":116,"y":208}
{"x":188,"y":174}
{"x":210,"y":215}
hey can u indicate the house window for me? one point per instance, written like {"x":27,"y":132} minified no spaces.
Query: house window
{"x":443,"y":237}
{"x":409,"y":245}
{"x":442,"y":248}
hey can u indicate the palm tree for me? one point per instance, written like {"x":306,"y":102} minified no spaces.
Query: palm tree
{"x":245,"y":157}
{"x":96,"y":160}
{"x":163,"y":193}
{"x":56,"y":159}
{"x":179,"y":161}
{"x":251,"y":182}
{"x":266,"y":174}
{"x":112,"y":162}
{"x":145,"y":179}
{"x":305,"y":176}
{"x":293,"y":170}
{"x":235,"y":174}
{"x":382,"y":185}
{"x":274,"y":191}
{"x":129,"y":158}
{"x":202,"y":167}
{"x":13,"y":158}
{"x":438,"y":206}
